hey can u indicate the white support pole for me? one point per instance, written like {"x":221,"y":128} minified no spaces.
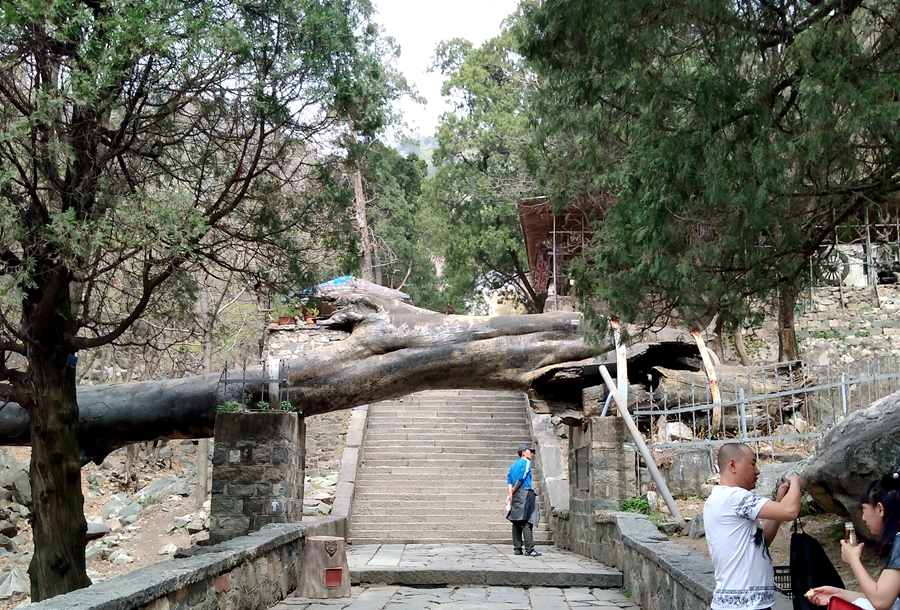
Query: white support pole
{"x":714,"y":390}
{"x":642,"y":448}
{"x":621,"y":361}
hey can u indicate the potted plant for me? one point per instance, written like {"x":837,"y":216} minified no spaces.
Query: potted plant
{"x":310,"y":309}
{"x":285,"y":312}
{"x":310,"y":312}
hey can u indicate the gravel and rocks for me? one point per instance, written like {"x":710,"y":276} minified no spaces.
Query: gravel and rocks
{"x":130,"y":526}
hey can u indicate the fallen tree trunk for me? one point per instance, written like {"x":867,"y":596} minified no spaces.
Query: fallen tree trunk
{"x":393,"y":349}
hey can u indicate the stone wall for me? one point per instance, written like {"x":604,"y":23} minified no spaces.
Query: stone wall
{"x":258,"y":472}
{"x":832,"y":329}
{"x":659,"y":575}
{"x":601,"y":475}
{"x":293,"y":339}
{"x":862,"y":311}
{"x":253,"y":572}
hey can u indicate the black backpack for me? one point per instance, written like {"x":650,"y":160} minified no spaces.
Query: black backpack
{"x":810,"y":567}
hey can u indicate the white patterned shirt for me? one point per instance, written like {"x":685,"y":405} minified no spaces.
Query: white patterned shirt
{"x":740,"y":556}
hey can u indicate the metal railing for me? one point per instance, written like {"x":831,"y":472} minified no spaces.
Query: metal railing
{"x":775,"y":407}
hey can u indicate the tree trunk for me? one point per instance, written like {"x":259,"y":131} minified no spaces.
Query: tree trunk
{"x":788,"y":348}
{"x":716,"y":345}
{"x":393,"y":349}
{"x":362,"y":226}
{"x":740,"y":348}
{"x":59,"y":526}
{"x":203,"y":445}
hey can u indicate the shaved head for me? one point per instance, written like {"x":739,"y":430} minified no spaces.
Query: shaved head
{"x":732,"y":451}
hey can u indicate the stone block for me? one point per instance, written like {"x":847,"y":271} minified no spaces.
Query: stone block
{"x":244,"y":491}
{"x":592,"y":400}
{"x":325,"y":573}
{"x":280,"y":456}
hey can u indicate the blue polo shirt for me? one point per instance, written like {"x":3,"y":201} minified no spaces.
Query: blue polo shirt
{"x":520,"y":471}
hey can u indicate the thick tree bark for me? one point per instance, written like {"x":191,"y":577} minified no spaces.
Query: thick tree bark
{"x":788,"y":347}
{"x":59,"y":526}
{"x":740,"y":348}
{"x":393,"y":349}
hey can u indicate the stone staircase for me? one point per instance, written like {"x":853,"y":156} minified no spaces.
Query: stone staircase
{"x":433,"y":469}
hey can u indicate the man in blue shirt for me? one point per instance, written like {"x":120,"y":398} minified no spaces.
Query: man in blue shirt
{"x":524,"y":512}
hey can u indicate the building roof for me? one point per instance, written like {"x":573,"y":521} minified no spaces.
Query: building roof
{"x":572,"y":227}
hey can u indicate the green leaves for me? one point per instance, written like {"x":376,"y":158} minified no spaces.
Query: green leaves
{"x":481,"y":171}
{"x":734,"y":138}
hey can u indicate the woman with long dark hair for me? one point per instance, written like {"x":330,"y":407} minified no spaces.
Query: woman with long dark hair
{"x":881,"y":513}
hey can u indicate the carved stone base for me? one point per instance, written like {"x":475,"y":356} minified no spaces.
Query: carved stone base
{"x":325,"y":573}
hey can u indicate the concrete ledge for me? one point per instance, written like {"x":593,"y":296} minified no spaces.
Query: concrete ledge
{"x":343,"y":493}
{"x":253,"y":571}
{"x":414,"y":577}
{"x":549,"y":462}
{"x":661,"y":575}
{"x":549,"y":466}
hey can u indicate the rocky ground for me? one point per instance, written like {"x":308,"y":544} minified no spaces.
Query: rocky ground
{"x":147,"y":521}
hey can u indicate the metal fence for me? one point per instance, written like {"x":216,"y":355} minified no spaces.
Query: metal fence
{"x":776,"y":408}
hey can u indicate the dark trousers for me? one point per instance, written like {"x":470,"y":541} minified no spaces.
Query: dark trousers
{"x":520,"y":529}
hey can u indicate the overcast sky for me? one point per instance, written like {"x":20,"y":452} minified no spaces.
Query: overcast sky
{"x":418,"y":26}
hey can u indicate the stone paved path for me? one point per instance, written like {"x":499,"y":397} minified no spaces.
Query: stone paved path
{"x":393,"y":597}
{"x":471,"y":577}
{"x":474,"y":564}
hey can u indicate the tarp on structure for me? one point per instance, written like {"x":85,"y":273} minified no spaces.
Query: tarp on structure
{"x":348,"y":284}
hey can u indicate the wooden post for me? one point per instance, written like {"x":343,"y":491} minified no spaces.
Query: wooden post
{"x":713,"y":382}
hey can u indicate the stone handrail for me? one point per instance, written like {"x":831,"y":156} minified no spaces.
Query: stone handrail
{"x":343,"y":493}
{"x":658,"y":574}
{"x":253,"y":571}
{"x":549,"y":464}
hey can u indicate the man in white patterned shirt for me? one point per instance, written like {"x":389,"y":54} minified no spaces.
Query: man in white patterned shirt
{"x":739,"y":528}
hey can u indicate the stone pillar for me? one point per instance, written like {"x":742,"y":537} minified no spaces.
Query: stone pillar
{"x":258,"y":470}
{"x":613,"y":463}
{"x":602,"y":465}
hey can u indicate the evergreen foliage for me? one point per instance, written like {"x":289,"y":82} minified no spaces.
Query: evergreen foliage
{"x":734,"y":138}
{"x":480,"y":171}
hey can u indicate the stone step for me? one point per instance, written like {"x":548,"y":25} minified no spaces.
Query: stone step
{"x":473,"y":401}
{"x":448,"y":485}
{"x":479,"y":479}
{"x":504,"y":437}
{"x":422,"y":504}
{"x":434,"y":529}
{"x":489,"y":397}
{"x":474,"y":536}
{"x":442,"y":423}
{"x":372,"y":468}
{"x":520,"y":576}
{"x":426,"y":423}
{"x":490,"y":519}
{"x":454,"y":463}
{"x":391,"y":452}
{"x":426,"y":485}
{"x":500,"y":458}
{"x":375,"y":440}
{"x":421,"y":493}
{"x":437,"y":409}
{"x":481,"y":402}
